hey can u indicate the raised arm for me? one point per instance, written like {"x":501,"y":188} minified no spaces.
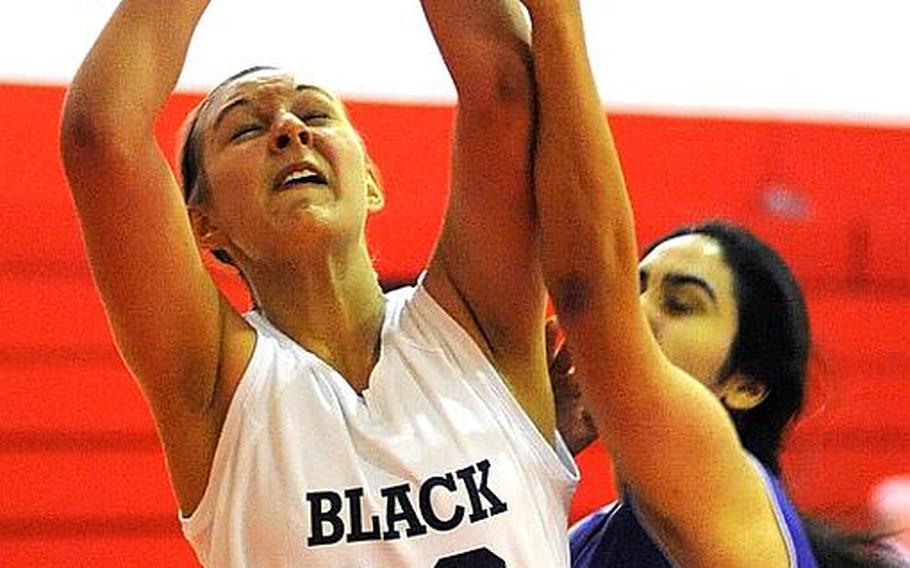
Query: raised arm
{"x":485,"y":271}
{"x":167,"y":316}
{"x":673,"y":443}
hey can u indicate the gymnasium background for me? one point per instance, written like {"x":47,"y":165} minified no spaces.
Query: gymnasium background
{"x":791,"y":117}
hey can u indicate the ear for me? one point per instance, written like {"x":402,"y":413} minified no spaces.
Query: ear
{"x":739,"y":392}
{"x":208,"y":236}
{"x":375,"y":195}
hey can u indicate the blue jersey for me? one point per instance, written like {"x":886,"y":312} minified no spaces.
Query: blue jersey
{"x":614,"y":537}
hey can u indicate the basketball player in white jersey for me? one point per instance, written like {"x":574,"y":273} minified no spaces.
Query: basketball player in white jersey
{"x":333,"y":425}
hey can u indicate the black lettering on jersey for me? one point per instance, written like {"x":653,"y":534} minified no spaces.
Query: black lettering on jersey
{"x":478,"y":513}
{"x":426,"y":504}
{"x":330,"y":522}
{"x":319,"y":515}
{"x":356,"y":534}
{"x":478,"y":558}
{"x":398,"y":508}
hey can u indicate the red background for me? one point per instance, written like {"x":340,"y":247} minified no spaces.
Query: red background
{"x":83,"y":478}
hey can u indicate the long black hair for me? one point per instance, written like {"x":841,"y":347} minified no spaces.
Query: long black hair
{"x":773,"y":339}
{"x":772,"y":345}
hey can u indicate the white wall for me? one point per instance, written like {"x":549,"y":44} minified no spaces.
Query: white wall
{"x":803,"y":58}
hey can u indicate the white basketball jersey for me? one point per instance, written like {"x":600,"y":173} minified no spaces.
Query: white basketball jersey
{"x":435,"y":464}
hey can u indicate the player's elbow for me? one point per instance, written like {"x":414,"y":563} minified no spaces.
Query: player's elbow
{"x":583,"y":276}
{"x":572,"y":294}
{"x":83,"y":134}
{"x":513,"y":76}
{"x":502,"y":81}
{"x":95,"y":142}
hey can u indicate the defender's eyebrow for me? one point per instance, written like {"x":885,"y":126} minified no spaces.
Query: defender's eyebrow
{"x":680,"y":279}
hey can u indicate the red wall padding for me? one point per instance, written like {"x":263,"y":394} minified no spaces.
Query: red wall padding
{"x":83,"y":477}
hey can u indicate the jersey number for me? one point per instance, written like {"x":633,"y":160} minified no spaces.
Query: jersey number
{"x":477,"y":558}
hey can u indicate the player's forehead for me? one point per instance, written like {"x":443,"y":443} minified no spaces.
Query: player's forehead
{"x":695,"y":252}
{"x":689,"y":258}
{"x":266,"y":84}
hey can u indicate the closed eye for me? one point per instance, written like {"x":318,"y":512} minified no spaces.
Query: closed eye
{"x":315,"y":118}
{"x":675,"y":306}
{"x":245,"y":130}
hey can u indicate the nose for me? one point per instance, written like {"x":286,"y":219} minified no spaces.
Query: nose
{"x":288,"y":130}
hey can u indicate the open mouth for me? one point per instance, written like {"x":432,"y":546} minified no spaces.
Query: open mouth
{"x":300,"y":176}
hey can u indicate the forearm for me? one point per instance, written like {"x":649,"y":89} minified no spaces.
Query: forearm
{"x":485,"y":45}
{"x":584,"y":214}
{"x":131,"y":70}
{"x":587,"y":244}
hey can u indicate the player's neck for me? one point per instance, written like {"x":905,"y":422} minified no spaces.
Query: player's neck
{"x":333,"y":308}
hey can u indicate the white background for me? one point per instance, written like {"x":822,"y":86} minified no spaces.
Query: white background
{"x":803,"y":58}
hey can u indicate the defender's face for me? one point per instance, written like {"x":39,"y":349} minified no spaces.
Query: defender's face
{"x":687,"y":292}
